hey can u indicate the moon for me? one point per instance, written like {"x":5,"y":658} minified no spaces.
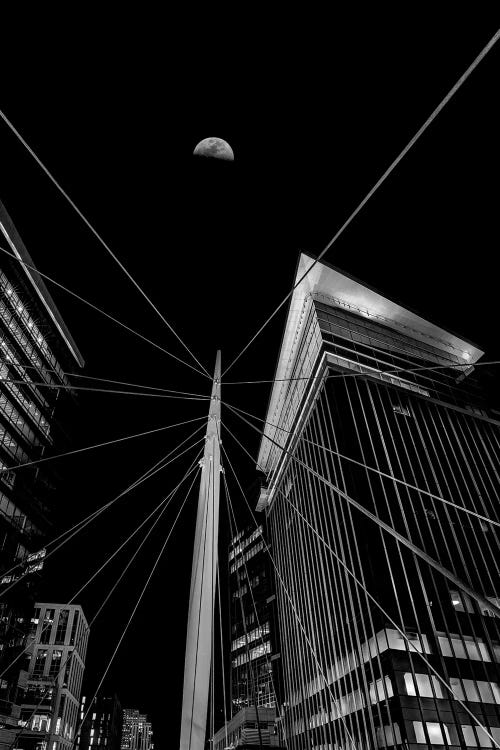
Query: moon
{"x":214,"y":148}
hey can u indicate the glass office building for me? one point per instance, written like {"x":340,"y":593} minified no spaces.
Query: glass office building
{"x":251,"y":596}
{"x":385,"y":406}
{"x":137,"y":732}
{"x":36,"y":352}
{"x":50,"y":696}
{"x":103,"y":726}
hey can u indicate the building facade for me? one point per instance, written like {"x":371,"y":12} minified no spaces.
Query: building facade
{"x":36,"y":352}
{"x":103,"y":726}
{"x":242,"y":730}
{"x":50,"y":699}
{"x":251,"y":597}
{"x":379,"y":648}
{"x":137,"y":731}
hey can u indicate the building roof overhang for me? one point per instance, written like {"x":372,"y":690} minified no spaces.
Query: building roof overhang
{"x":16,"y":245}
{"x":339,"y":288}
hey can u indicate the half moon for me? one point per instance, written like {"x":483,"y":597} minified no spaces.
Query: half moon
{"x":214,"y":148}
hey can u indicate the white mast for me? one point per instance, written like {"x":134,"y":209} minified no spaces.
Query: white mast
{"x":203,"y":582}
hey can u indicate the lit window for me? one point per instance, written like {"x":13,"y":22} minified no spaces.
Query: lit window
{"x":399,"y":409}
{"x":424,"y":686}
{"x":434,"y":730}
{"x":388,"y":736}
{"x":470,"y":732}
{"x":377,"y":691}
{"x":461,"y":602}
{"x":466,"y":647}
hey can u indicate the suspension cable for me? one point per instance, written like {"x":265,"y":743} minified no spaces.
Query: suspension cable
{"x":485,"y":603}
{"x":4,"y":360}
{"x":76,"y":528}
{"x":164,"y":502}
{"x":370,"y":596}
{"x":245,"y":450}
{"x":100,"y":311}
{"x":131,"y":617}
{"x":63,"y":386}
{"x":296,"y":615}
{"x":376,"y":186}
{"x":252,"y":694}
{"x":362,"y":465}
{"x":97,"y":235}
{"x":389,"y":618}
{"x":222,"y":655}
{"x":96,"y":445}
{"x":392,"y":371}
{"x":254,"y":605}
{"x":110,"y":593}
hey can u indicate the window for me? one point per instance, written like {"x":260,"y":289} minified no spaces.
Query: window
{"x":461,"y":602}
{"x":434,"y":730}
{"x":252,"y":636}
{"x":399,"y":409}
{"x":456,"y":686}
{"x":254,"y":654}
{"x":55,"y":663}
{"x":39,"y":666}
{"x":486,"y":691}
{"x":395,"y":640}
{"x":73,"y":628}
{"x":423,"y":686}
{"x":34,"y":621}
{"x":377,"y":692}
{"x":41,"y":723}
{"x":237,"y":550}
{"x":388,"y":735}
{"x":464,"y":648}
{"x":418,"y":643}
{"x":240,"y":592}
{"x":68,"y":669}
{"x":490,"y":612}
{"x":470,"y":690}
{"x":62,"y":625}
{"x":473,"y":734}
{"x":251,"y":552}
{"x":47,"y":626}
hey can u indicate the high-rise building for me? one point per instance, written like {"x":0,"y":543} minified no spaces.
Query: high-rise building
{"x":50,"y":699}
{"x":376,"y":418}
{"x":254,"y":651}
{"x":251,"y":596}
{"x":137,"y":732}
{"x":103,"y":726}
{"x":36,"y":350}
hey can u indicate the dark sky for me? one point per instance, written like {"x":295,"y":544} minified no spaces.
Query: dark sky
{"x":313,"y":117}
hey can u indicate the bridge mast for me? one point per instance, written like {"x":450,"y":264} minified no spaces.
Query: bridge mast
{"x":203,"y":582}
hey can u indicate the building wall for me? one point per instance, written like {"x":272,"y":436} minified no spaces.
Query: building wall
{"x":36,"y":350}
{"x":137,"y":732}
{"x":103,"y":725}
{"x":50,"y":699}
{"x":242,"y":731}
{"x":349,"y":675}
{"x":251,"y":646}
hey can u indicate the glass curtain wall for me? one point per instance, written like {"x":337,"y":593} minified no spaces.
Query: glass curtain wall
{"x":350,"y":678}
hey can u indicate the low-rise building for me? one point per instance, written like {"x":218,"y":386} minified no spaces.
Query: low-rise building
{"x":50,"y":697}
{"x":103,"y":725}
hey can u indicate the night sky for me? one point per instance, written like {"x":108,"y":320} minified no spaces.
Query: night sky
{"x":313,"y":119}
